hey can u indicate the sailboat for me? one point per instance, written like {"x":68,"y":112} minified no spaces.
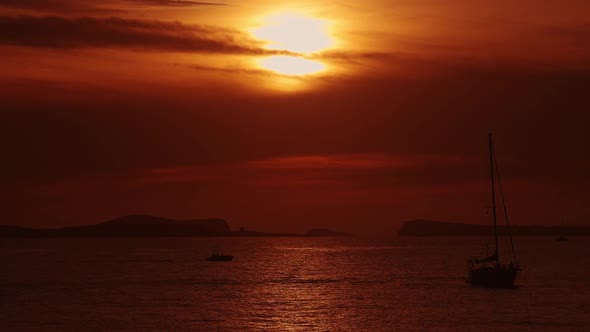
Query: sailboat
{"x":488,"y":271}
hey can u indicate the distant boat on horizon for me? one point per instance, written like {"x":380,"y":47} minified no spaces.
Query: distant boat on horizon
{"x":487,"y":271}
{"x":562,"y":237}
{"x":219,"y":257}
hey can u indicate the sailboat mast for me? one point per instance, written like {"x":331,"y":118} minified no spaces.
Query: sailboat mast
{"x":504,"y":206}
{"x":491,"y":146}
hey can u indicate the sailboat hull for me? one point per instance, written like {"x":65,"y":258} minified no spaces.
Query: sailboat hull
{"x":493,"y":277}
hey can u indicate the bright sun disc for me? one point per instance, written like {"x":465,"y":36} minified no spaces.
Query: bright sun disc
{"x":292,"y":66}
{"x":295,"y":33}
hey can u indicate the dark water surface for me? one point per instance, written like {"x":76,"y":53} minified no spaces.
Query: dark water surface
{"x":286,"y":284}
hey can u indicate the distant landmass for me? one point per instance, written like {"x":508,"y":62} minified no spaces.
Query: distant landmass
{"x":149,"y":226}
{"x":132,"y":226}
{"x":439,"y":228}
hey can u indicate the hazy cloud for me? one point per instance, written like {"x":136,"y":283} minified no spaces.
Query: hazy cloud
{"x":114,"y":32}
{"x":38,"y":4}
{"x":358,"y":161}
{"x":228,"y":70}
{"x":176,"y":3}
{"x":61,"y":5}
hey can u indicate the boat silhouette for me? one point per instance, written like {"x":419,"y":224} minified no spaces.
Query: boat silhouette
{"x":488,"y":271}
{"x":562,"y":237}
{"x":219,"y":257}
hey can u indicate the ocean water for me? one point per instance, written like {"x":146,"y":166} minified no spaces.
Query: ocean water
{"x":286,"y":284}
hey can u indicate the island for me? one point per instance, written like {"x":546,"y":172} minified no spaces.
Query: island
{"x":150,"y":226}
{"x":440,"y":228}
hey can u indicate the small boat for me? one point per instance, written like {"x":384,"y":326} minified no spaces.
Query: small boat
{"x":487,"y":271}
{"x":219,"y":257}
{"x":562,"y":237}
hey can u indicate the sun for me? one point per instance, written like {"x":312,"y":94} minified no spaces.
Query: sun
{"x":295,"y":32}
{"x":298,"y":34}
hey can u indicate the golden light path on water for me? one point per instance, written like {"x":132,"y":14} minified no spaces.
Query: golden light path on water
{"x":297,"y":33}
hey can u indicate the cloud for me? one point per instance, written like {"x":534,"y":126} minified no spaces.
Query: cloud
{"x":176,"y":3}
{"x":114,"y":32}
{"x":362,"y":169}
{"x":359,"y":161}
{"x":228,"y":70}
{"x":70,"y":5}
{"x":61,"y":7}
{"x":349,"y":170}
{"x":38,"y":4}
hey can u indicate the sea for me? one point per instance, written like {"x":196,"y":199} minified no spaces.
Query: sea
{"x":287,"y":284}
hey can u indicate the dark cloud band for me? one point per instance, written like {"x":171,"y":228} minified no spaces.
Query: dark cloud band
{"x":176,"y":3}
{"x":67,"y":5}
{"x":114,"y":32}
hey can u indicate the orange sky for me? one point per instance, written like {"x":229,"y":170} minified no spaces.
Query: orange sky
{"x":173,"y":108}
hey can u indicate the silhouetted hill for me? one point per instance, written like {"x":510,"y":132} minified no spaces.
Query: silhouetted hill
{"x":439,"y":228}
{"x":129,"y":226}
{"x":9,"y":231}
{"x":150,"y":226}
